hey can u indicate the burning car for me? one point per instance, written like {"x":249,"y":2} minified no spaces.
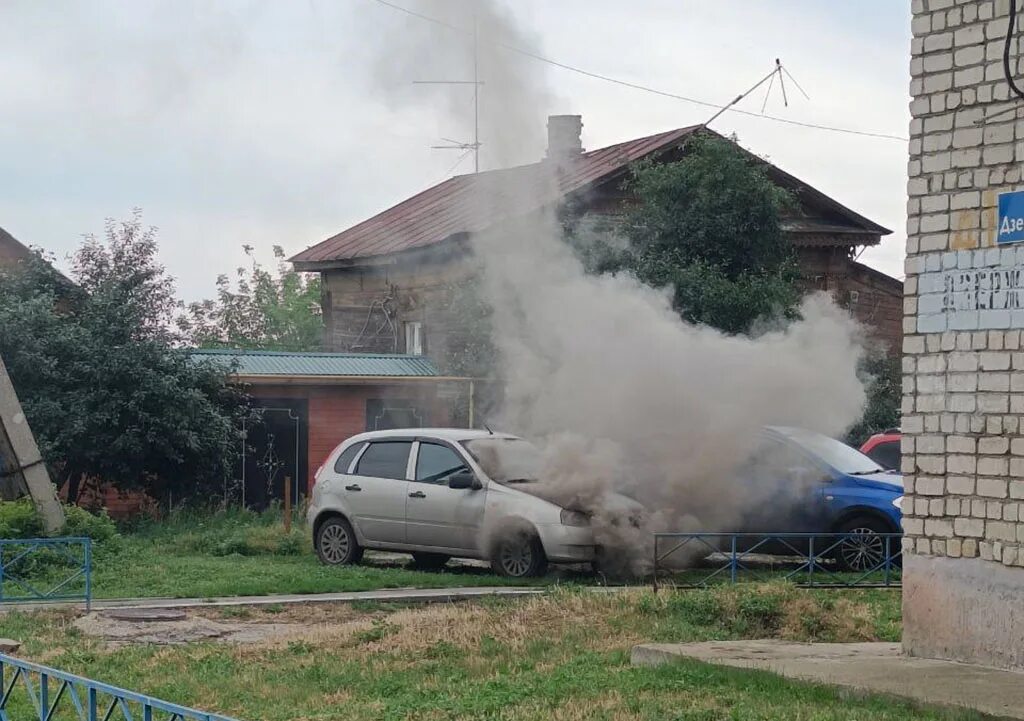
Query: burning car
{"x":816,"y":485}
{"x":442,"y":493}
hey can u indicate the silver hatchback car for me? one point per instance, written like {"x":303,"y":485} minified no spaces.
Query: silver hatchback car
{"x":438,"y":493}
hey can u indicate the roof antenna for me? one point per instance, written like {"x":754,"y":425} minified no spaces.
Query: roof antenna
{"x":488,"y":428}
{"x":473,"y":147}
{"x":779,"y":71}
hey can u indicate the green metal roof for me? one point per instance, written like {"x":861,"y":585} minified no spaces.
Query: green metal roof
{"x":284,"y":363}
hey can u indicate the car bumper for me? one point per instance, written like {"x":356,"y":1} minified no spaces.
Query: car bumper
{"x":567,"y":544}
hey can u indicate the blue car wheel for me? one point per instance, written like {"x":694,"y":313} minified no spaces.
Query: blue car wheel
{"x":864,"y":550}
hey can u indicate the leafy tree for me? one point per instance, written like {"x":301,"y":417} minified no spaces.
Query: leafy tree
{"x":882,"y":375}
{"x":106,"y":392}
{"x":716,"y":205}
{"x":708,"y":225}
{"x":265,"y":311}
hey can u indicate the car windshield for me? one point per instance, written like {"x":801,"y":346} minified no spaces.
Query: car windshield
{"x":840,"y":456}
{"x":506,"y":460}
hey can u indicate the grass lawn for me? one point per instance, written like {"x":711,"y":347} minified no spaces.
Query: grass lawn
{"x":558,"y":656}
{"x":238,"y":553}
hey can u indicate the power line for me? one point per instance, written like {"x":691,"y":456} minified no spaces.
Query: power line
{"x":645,"y":88}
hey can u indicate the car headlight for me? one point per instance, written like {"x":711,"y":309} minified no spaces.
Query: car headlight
{"x":898,"y":502}
{"x":575,"y":518}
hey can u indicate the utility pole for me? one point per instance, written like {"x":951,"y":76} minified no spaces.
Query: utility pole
{"x":20,"y":460}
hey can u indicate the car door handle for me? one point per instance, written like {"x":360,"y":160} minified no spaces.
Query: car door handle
{"x":417,"y":494}
{"x":353,"y":487}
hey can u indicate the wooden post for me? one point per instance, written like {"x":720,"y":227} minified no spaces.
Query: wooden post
{"x":287,"y":504}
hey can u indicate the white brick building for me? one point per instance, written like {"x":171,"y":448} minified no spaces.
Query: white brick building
{"x":963,"y":406}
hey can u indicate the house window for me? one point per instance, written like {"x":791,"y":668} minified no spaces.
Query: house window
{"x":414,"y":337}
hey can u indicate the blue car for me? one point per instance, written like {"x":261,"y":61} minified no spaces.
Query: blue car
{"x":811,"y":483}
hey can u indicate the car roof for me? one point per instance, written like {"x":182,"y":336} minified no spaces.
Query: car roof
{"x":443,"y":434}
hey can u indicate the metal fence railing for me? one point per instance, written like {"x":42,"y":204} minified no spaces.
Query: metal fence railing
{"x":690,"y":560}
{"x":45,"y":570}
{"x":31,"y":691}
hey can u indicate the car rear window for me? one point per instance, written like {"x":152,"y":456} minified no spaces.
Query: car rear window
{"x":345,"y":459}
{"x":387,"y":459}
{"x":886,"y":454}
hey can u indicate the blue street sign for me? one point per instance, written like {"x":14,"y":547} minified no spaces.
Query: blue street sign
{"x":1011,"y":217}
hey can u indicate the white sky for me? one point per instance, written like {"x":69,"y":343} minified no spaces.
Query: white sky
{"x":260,"y":122}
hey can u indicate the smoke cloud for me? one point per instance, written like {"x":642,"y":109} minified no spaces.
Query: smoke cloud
{"x":622,"y":395}
{"x":514,"y":93}
{"x":626,"y":397}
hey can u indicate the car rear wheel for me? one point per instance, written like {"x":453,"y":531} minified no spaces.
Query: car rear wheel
{"x":336,"y":543}
{"x":865,"y":547}
{"x":429,"y":561}
{"x":518,"y":554}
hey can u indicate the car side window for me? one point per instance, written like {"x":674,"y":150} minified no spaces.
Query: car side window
{"x":886,"y":454}
{"x":386,"y":459}
{"x":774,"y":461}
{"x":345,"y":459}
{"x":436,"y":463}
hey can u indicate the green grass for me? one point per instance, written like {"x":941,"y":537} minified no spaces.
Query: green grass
{"x":239,"y":553}
{"x":560,"y":656}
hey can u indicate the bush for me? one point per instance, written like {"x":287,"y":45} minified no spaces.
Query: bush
{"x":97,"y":526}
{"x":19,"y":519}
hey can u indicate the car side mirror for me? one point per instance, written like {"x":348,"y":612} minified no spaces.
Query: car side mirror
{"x":464,"y":479}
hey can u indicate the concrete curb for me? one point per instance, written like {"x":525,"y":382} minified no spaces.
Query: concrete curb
{"x":395,"y":595}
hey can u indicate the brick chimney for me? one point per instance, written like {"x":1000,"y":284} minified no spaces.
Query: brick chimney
{"x":564,"y":136}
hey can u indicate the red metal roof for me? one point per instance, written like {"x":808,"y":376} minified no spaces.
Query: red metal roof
{"x":468,"y":203}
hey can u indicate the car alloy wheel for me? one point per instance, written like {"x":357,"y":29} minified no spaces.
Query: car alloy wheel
{"x":336,"y":544}
{"x":862,"y":550}
{"x":516,"y":557}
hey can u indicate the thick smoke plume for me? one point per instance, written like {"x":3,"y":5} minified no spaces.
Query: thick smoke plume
{"x":626,"y":397}
{"x":622,"y":395}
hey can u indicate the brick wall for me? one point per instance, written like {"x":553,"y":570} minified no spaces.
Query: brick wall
{"x":963,"y":444}
{"x":338,"y":412}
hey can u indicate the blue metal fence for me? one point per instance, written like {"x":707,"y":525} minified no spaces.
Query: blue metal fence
{"x":809,"y":559}
{"x":50,"y":695}
{"x":46,"y":570}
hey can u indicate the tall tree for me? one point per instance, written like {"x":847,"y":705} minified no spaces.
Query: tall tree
{"x":709,"y":226}
{"x":263,"y":310}
{"x":106,"y":391}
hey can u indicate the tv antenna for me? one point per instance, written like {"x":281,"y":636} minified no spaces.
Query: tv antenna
{"x":473,"y":147}
{"x":778,"y":71}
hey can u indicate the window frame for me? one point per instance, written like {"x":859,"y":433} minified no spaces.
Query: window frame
{"x":360,"y":446}
{"x":883,"y":446}
{"x":416,"y":326}
{"x":382,"y":441}
{"x":420,"y":442}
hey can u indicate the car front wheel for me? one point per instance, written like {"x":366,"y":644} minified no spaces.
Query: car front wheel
{"x":518,"y":554}
{"x":864,"y":548}
{"x":336,"y":543}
